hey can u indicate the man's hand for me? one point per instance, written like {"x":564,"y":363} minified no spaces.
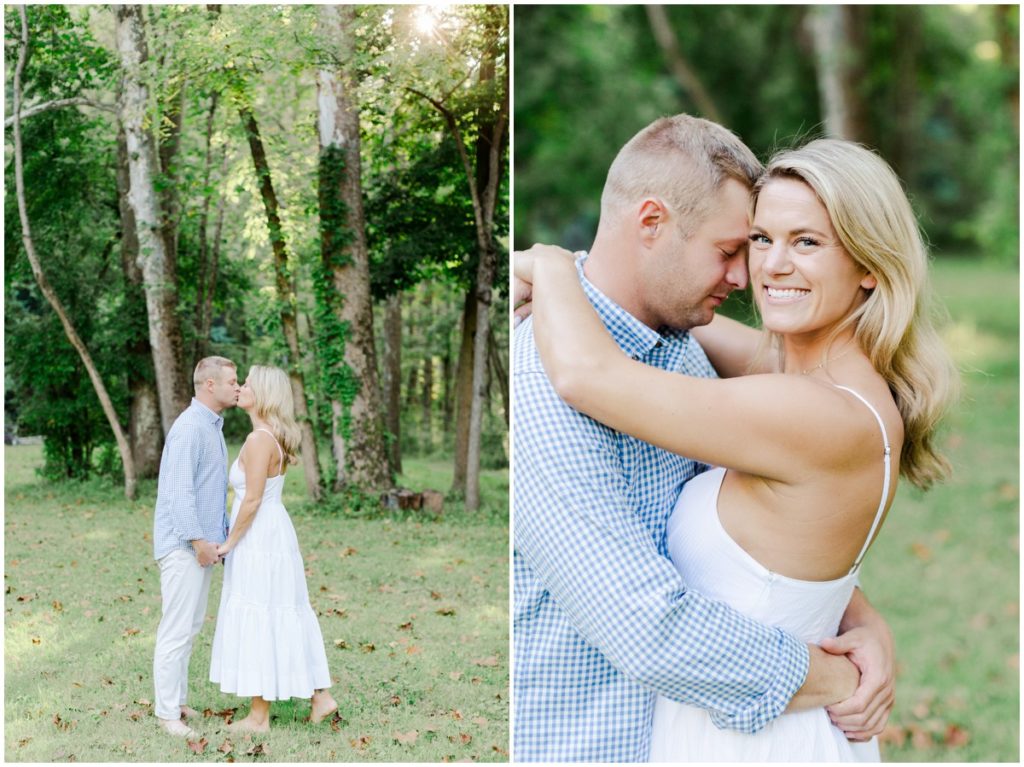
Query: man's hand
{"x":871,"y":650}
{"x":206,"y":552}
{"x":866,"y":640}
{"x":522,"y":298}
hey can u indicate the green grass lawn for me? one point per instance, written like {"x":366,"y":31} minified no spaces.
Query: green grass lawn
{"x":414,"y":614}
{"x":945,"y":570}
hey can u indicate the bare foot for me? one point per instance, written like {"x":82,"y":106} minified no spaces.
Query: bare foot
{"x":187,"y":712}
{"x":177,"y":728}
{"x":322,"y":706}
{"x":249,"y":725}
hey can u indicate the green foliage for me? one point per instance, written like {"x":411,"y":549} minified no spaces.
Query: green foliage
{"x":938,"y":83}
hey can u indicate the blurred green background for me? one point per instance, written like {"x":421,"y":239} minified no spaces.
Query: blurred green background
{"x":935,"y":90}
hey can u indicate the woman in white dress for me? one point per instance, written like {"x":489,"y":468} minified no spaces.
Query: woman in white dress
{"x":268,"y":643}
{"x":813,"y":422}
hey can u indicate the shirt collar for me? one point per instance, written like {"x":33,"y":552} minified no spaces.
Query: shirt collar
{"x":634,"y":337}
{"x":205,"y":412}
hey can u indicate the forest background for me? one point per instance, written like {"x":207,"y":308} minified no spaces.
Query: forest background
{"x":322,"y":188}
{"x":935,"y":90}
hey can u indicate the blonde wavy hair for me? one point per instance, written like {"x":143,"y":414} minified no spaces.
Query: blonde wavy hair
{"x":272,"y":394}
{"x":895,"y":325}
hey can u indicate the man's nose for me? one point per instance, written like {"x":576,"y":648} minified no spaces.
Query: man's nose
{"x":736,"y":273}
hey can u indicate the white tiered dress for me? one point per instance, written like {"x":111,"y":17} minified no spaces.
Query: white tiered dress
{"x":712,"y":563}
{"x":268,"y":640}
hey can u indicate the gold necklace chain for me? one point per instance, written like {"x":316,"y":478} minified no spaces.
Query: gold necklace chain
{"x":826,"y":361}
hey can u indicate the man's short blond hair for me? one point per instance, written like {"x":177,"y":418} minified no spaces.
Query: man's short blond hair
{"x":683,"y":160}
{"x":210,"y":367}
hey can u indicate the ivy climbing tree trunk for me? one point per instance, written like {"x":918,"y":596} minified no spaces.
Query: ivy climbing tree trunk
{"x":358,"y":431}
{"x":123,"y":447}
{"x":159,"y":277}
{"x":286,"y":302}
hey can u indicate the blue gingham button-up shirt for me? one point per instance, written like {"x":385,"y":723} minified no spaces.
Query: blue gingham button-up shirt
{"x":602,"y":620}
{"x":192,"y":491}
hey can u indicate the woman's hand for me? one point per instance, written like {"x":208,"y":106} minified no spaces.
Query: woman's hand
{"x":224,"y":548}
{"x":523,"y":262}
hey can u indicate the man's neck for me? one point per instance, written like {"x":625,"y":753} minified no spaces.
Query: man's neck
{"x":611,"y":268}
{"x":209,"y":402}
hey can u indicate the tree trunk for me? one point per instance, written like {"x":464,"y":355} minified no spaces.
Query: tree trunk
{"x":464,"y":392}
{"x":446,"y":384}
{"x":498,"y":373}
{"x":209,"y":256}
{"x":286,"y":302}
{"x":159,"y":278}
{"x":393,"y":377}
{"x":427,"y":393}
{"x":344,"y":253}
{"x":1007,"y":20}
{"x":837,"y":32}
{"x":144,"y":430}
{"x":128,"y":463}
{"x":680,"y":68}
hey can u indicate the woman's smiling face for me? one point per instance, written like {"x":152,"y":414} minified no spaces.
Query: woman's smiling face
{"x":803,"y":280}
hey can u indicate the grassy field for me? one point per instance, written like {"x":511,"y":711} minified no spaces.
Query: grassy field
{"x":414,"y":615}
{"x":945,"y":570}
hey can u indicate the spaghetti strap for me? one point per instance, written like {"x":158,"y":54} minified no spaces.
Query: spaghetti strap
{"x":887,"y":458}
{"x":280,"y":452}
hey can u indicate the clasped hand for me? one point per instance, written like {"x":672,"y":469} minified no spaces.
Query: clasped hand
{"x":523,"y":262}
{"x":207,"y":553}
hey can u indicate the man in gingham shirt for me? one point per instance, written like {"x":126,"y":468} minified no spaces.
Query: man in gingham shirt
{"x":602,"y":620}
{"x":190,"y":521}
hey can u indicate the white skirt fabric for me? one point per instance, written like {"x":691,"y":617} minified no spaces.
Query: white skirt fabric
{"x":268,"y":640}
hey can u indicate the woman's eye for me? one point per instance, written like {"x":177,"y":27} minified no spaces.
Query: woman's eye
{"x":808,"y":242}
{"x":759,"y":239}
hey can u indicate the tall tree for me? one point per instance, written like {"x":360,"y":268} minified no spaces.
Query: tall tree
{"x":124,"y":448}
{"x":358,"y":431}
{"x":487,"y":122}
{"x":158,"y":272}
{"x":392,"y":375}
{"x":286,"y":302}
{"x":838,"y":32}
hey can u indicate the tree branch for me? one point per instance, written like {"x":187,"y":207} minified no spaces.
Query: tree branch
{"x":79,"y":101}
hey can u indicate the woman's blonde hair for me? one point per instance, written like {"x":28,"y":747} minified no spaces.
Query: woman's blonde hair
{"x":873,"y":219}
{"x":272,"y":393}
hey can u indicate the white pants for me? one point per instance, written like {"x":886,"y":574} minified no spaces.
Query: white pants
{"x":184,"y":587}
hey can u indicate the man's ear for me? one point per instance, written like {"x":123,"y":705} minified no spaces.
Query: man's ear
{"x":869,"y":282}
{"x":651,"y":216}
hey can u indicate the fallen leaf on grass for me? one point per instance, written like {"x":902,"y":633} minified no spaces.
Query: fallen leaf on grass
{"x":455,"y":676}
{"x":475,"y":680}
{"x":456,"y":714}
{"x":405,"y":626}
{"x":337,"y":612}
{"x":920,"y":738}
{"x":336,"y":722}
{"x":921,"y":551}
{"x":144,"y":702}
{"x":198,"y":746}
{"x":130,"y":633}
{"x":488,"y":662}
{"x":446,"y":611}
{"x":57,"y":606}
{"x":260,"y":749}
{"x":227,"y":714}
{"x":27,"y":597}
{"x":347,"y":552}
{"x":394,"y":700}
{"x":63,"y":725}
{"x":341,"y":644}
{"x":466,"y":738}
{"x":23,"y":742}
{"x":435,"y":595}
{"x":368,"y":647}
{"x":36,"y":640}
{"x":407,"y":738}
{"x":956,"y":736}
{"x":414,"y":650}
{"x":360,"y":743}
{"x":498,"y":750}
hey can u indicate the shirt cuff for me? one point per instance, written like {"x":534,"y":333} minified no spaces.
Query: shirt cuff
{"x":794,"y":662}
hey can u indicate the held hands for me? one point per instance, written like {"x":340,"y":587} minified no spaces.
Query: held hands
{"x":523,"y":263}
{"x":224,"y":549}
{"x":206,"y":553}
{"x":871,"y":650}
